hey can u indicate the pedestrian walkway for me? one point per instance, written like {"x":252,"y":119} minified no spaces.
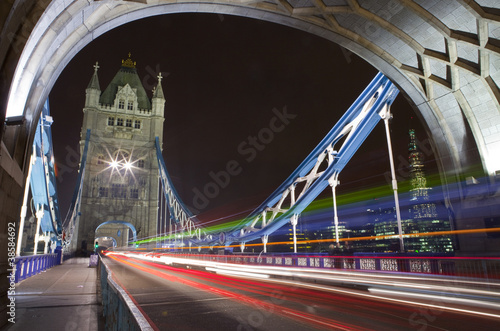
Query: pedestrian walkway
{"x":61,"y":298}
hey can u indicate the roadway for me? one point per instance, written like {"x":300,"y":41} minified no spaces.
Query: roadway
{"x":188,"y":298}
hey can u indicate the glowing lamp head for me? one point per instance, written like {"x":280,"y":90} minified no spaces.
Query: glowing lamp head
{"x":127,"y":165}
{"x":114,"y":164}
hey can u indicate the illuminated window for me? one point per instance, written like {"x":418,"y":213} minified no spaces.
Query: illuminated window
{"x":119,"y":121}
{"x":121,"y":104}
{"x":128,"y":123}
{"x":111,"y":121}
{"x":130,"y":105}
{"x":137,"y":124}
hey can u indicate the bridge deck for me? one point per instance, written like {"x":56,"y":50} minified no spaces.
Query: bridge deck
{"x":62,"y":298}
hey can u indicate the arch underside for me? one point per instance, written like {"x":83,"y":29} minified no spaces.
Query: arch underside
{"x":118,"y":222}
{"x":443,"y":56}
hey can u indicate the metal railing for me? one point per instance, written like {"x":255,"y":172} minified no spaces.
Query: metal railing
{"x":119,"y":309}
{"x":27,"y":266}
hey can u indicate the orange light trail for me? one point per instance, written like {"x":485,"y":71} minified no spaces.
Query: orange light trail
{"x":392,"y":236}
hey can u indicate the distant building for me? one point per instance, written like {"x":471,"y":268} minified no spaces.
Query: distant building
{"x":423,"y":212}
{"x":421,"y":207}
{"x":120,"y":187}
{"x":423,"y":216}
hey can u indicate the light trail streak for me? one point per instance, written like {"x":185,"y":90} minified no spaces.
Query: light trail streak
{"x":409,"y":235}
{"x":491,"y":305}
{"x":365,"y":278}
{"x":295,"y":273}
{"x":256,"y":303}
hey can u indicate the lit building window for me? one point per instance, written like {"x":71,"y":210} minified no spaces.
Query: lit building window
{"x":140,"y":163}
{"x":111,"y":121}
{"x":103,"y":192}
{"x":137,"y":124}
{"x":130,"y":105}
{"x":128,"y":123}
{"x":121,"y":104}
{"x":134,"y":193}
{"x":119,"y":121}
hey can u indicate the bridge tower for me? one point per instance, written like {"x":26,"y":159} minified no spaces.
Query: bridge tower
{"x":121,"y":179}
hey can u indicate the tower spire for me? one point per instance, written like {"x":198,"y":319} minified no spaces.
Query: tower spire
{"x":158,"y":98}
{"x":93,"y":91}
{"x":94,"y":81}
{"x":158,"y":91}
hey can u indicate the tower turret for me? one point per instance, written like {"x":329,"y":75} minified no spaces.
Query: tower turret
{"x":158,"y":98}
{"x":93,"y":91}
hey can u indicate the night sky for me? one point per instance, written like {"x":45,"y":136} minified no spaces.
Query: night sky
{"x":224,"y":75}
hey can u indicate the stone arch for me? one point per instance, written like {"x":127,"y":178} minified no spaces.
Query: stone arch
{"x":98,"y":238}
{"x":455,"y":96}
{"x":130,"y":225}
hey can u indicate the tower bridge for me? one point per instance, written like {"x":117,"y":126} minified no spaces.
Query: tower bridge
{"x":443,"y":56}
{"x":121,"y":174}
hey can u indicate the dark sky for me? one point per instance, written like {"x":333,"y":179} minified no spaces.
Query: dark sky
{"x":224,"y":76}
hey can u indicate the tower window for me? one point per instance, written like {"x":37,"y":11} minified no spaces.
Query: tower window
{"x":134,"y":193}
{"x":121,"y":104}
{"x":100,"y":159}
{"x":130,"y":105}
{"x":111,"y":121}
{"x":119,"y":191}
{"x":103,"y":192}
{"x":128,"y":123}
{"x":119,"y":121}
{"x":140,"y":163}
{"x":137,"y":124}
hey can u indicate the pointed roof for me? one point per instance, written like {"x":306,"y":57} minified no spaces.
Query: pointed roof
{"x":94,"y":81}
{"x":158,"y":91}
{"x":126,"y":75}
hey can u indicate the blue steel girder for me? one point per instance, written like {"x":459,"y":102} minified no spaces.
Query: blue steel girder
{"x":178,"y":211}
{"x":70,"y":222}
{"x":284,"y":203}
{"x":350,"y":131}
{"x":43,"y":178}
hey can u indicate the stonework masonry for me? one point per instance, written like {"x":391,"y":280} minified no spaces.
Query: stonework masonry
{"x":121,"y":179}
